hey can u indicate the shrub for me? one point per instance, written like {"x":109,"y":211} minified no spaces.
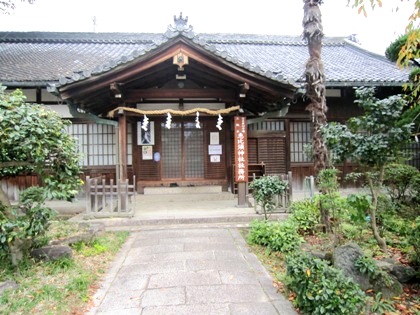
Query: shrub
{"x":367,"y":266}
{"x":414,"y":240}
{"x":359,"y":208}
{"x":352,"y":231}
{"x":322,"y":289}
{"x":20,"y":230}
{"x":265,"y":188}
{"x":415,"y":189}
{"x":305,"y":215}
{"x":395,"y":224}
{"x":276,"y":236}
{"x":399,"y":179}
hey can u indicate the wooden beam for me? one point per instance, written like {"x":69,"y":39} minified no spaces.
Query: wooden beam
{"x":244,"y":88}
{"x":117,"y":90}
{"x":137,"y":95}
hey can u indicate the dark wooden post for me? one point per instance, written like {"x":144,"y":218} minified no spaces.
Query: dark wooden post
{"x":122,"y":141}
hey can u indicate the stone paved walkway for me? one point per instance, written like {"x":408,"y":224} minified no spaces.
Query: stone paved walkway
{"x":188,"y":271}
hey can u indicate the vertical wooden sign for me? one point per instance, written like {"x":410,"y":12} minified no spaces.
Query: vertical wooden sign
{"x":241,"y":149}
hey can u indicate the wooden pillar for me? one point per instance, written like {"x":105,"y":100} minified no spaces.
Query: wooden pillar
{"x":122,"y":144}
{"x":288,"y":149}
{"x":241,"y":159}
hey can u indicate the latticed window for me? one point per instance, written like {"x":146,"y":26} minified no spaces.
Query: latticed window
{"x":274,"y":125}
{"x":300,"y":136}
{"x":97,"y":144}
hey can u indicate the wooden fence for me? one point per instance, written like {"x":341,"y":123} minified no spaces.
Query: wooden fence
{"x":13,"y":185}
{"x":110,"y":200}
{"x":282,"y":201}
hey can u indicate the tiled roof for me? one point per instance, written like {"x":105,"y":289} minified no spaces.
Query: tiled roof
{"x":63,"y":58}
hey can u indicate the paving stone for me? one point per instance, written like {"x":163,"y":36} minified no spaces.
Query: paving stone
{"x":211,"y":309}
{"x":188,"y":271}
{"x":253,"y":309}
{"x":219,"y":239}
{"x":225,"y":294}
{"x":120,"y":300}
{"x":184,"y":278}
{"x":163,"y":296}
{"x":164,"y":234}
{"x":152,"y":268}
{"x":181,"y":256}
{"x":129,"y":283}
{"x":228,"y":255}
{"x":238,"y":277}
{"x":210,"y":246}
{"x":145,"y":242}
{"x":185,"y":240}
{"x":136,"y":256}
{"x":120,"y":311}
{"x":166,"y":248}
{"x":208,"y":232}
{"x":284,"y":307}
{"x":254,"y":263}
{"x":219,"y":265}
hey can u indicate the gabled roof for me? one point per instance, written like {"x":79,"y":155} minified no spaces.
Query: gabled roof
{"x":63,"y":58}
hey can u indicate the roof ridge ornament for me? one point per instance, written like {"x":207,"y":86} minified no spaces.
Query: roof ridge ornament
{"x":180,"y":23}
{"x":180,"y":27}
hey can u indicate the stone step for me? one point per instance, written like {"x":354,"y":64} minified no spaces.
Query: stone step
{"x":134,"y":224}
{"x":186,"y":197}
{"x":189,"y":190}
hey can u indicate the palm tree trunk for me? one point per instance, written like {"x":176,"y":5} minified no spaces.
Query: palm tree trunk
{"x":314,"y":73}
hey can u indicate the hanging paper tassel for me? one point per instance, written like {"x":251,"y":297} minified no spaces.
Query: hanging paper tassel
{"x":197,"y":121}
{"x":168,"y":121}
{"x":145,"y":123}
{"x":219,"y":122}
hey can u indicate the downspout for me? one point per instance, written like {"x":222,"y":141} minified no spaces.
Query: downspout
{"x":93,"y":118}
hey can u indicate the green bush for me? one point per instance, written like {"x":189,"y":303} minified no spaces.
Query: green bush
{"x":401,"y":182}
{"x":305,"y":215}
{"x":395,"y":224}
{"x":276,"y":236}
{"x":352,"y":231}
{"x":414,"y":240}
{"x":26,"y":224}
{"x":415,"y":189}
{"x":359,"y":205}
{"x":322,"y":289}
{"x":265,"y":188}
{"x":367,"y":266}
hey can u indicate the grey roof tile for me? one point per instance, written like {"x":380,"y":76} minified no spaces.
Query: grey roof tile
{"x":69,"y":57}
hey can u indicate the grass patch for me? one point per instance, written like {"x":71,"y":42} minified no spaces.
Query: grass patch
{"x":63,"y":286}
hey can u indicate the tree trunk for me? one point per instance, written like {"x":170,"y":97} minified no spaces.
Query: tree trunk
{"x":375,"y":191}
{"x":4,"y":199}
{"x":325,"y":217}
{"x":314,"y":73}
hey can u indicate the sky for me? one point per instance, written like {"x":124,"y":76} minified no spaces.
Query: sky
{"x":281,"y":17}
